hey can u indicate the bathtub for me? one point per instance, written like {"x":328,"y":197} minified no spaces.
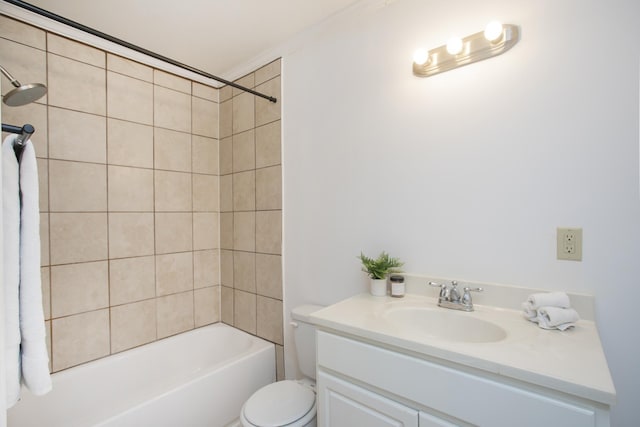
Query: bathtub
{"x":198,"y":378}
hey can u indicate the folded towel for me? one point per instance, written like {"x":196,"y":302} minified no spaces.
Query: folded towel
{"x":35,"y":358}
{"x":529,"y":313}
{"x":11,"y":269}
{"x":548,"y":299}
{"x":557,"y":318}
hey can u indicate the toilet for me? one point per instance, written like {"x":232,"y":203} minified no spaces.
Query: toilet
{"x":289,"y":403}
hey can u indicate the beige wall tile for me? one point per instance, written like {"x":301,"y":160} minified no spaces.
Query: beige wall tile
{"x":172,"y":191}
{"x":244,"y":311}
{"x":132,"y":279}
{"x":269,"y":232}
{"x":204,"y":91}
{"x":268,"y":145}
{"x":226,"y":305}
{"x":226,"y":193}
{"x":36,"y":115}
{"x":206,"y":268}
{"x":206,"y":305}
{"x":244,"y":231}
{"x":173,"y":232}
{"x":80,"y":338}
{"x":269,"y":275}
{"x":280,"y":374}
{"x":267,"y":72}
{"x":70,"y":83}
{"x":226,"y":268}
{"x":27,"y":64}
{"x":133,"y":325}
{"x":44,"y":239}
{"x":204,"y":155}
{"x":205,"y":193}
{"x":244,"y":191}
{"x":45,"y":280}
{"x":225,"y":93}
{"x":129,"y":99}
{"x":267,"y":111}
{"x":43,"y":184}
{"x":47,"y":329}
{"x":225,"y":121}
{"x":246,"y":81}
{"x":130,"y":189}
{"x":243,"y":107}
{"x":175,"y":314}
{"x":26,"y":34}
{"x":74,"y":50}
{"x":269,"y":317}
{"x":129,"y":144}
{"x":244,"y":157}
{"x":129,"y":68}
{"x":78,"y":237}
{"x":204,"y":116}
{"x":77,"y":288}
{"x":269,"y":188}
{"x":85,"y":140}
{"x":226,"y":156}
{"x":171,"y":109}
{"x":77,"y":187}
{"x":226,"y":230}
{"x":205,"y":230}
{"x":174,"y":273}
{"x":130,"y":234}
{"x":171,"y":81}
{"x":172,"y":150}
{"x":244,"y":271}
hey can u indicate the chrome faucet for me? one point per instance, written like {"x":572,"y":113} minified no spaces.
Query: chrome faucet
{"x":450,"y":297}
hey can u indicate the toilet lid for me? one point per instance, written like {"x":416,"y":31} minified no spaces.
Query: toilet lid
{"x":279,"y":404}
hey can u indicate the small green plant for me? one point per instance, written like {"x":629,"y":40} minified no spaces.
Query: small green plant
{"x":380,"y":267}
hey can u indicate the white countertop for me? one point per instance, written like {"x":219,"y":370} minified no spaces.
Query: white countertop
{"x":571,"y":361}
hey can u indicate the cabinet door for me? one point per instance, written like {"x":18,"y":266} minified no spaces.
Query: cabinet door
{"x":343,"y":404}
{"x":428,"y":420}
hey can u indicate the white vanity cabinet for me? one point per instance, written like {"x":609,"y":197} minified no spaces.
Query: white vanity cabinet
{"x":366,"y":384}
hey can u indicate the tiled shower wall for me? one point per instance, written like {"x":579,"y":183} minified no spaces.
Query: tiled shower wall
{"x":251,"y":208}
{"x":128,"y":165}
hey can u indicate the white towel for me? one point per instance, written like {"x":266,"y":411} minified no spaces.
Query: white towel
{"x":11,"y":265}
{"x":557,"y":318}
{"x":548,"y":299}
{"x":529,"y":313}
{"x":35,"y":358}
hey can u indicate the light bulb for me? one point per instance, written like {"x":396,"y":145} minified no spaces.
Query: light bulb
{"x":420,"y":57}
{"x":493,"y":31}
{"x":454,"y":45}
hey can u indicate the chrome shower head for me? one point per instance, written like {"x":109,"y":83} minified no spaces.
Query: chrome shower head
{"x":22,"y":94}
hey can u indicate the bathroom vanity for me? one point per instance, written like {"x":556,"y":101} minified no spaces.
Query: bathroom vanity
{"x":385,"y":361}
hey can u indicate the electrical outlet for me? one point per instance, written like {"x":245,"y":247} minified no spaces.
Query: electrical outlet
{"x":570,"y":244}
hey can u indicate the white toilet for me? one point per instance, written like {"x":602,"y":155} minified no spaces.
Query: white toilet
{"x":289,"y":403}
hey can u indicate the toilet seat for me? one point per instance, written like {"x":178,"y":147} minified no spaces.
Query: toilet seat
{"x":283,"y":403}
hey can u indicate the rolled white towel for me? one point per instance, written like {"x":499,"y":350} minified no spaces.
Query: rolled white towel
{"x":529,"y":313}
{"x":548,"y":299}
{"x":557,"y":318}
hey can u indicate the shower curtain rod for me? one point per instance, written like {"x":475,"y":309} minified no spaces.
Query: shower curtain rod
{"x":78,"y":26}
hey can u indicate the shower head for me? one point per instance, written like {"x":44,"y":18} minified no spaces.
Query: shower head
{"x":22,"y":94}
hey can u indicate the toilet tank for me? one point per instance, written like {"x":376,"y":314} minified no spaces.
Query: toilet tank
{"x":305,"y":338}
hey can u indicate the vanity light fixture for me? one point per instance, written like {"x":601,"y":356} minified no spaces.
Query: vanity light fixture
{"x":497,"y":38}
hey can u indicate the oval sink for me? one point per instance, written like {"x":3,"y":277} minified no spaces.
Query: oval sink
{"x":445,"y":325}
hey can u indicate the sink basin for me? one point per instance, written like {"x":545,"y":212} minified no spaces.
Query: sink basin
{"x":444,"y":324}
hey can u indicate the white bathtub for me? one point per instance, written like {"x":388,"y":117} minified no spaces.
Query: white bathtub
{"x":198,"y":378}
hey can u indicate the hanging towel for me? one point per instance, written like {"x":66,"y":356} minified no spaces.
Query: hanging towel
{"x":548,"y":299}
{"x":557,"y":318}
{"x":11,"y":266}
{"x":35,"y":359}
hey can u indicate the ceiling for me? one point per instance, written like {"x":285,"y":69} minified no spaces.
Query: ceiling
{"x":216,"y":36}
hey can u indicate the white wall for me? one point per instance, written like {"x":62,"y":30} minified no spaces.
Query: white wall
{"x":467,"y":174}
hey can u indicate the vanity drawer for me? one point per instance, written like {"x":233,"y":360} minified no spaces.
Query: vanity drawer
{"x":468,"y":397}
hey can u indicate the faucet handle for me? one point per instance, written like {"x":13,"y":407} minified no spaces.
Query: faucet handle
{"x":466,"y":297}
{"x":443,"y":289}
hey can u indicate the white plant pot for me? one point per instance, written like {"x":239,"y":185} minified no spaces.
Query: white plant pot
{"x":378,"y":287}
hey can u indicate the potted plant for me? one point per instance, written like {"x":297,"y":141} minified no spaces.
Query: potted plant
{"x":378,"y":269}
